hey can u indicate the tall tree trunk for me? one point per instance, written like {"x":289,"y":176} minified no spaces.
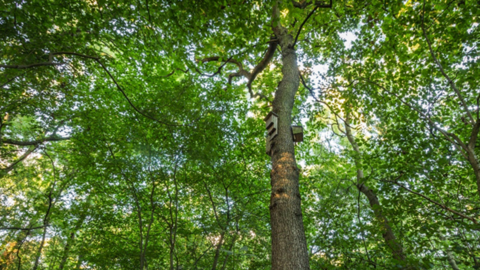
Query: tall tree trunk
{"x":289,"y":247}
{"x":45,"y":226}
{"x":387,"y":232}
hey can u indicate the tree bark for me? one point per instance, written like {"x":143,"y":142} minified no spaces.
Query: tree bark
{"x":289,"y":247}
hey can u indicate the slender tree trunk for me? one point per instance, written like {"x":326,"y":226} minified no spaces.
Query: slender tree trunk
{"x":451,"y":260}
{"x":230,"y":249}
{"x":45,"y":225}
{"x":289,"y":247}
{"x":70,"y":240}
{"x":66,"y":250}
{"x":217,"y":251}
{"x":387,"y":232}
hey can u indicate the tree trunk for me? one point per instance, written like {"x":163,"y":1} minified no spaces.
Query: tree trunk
{"x":451,"y":260}
{"x":70,"y":240}
{"x":217,"y":251}
{"x":66,"y":250}
{"x":230,"y":249}
{"x":387,"y":232}
{"x":289,"y":247}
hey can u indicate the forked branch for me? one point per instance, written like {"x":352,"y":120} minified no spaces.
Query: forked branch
{"x":250,"y":76}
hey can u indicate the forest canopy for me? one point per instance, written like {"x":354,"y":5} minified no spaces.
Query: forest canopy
{"x":165,"y":134}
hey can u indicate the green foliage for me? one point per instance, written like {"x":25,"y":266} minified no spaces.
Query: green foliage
{"x":122,"y":146}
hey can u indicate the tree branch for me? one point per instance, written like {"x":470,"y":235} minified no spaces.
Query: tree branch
{"x":303,"y":23}
{"x":474,"y":135}
{"x":303,"y":4}
{"x":449,"y":136}
{"x":50,"y":62}
{"x":452,"y":84}
{"x":434,"y":202}
{"x":128,"y":99}
{"x":8,"y":81}
{"x":25,"y":143}
{"x":74,"y":53}
{"x":250,"y":76}
{"x":20,"y":159}
{"x":21,"y":229}
{"x":31,"y":66}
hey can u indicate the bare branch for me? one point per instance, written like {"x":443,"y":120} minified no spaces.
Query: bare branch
{"x":217,"y":58}
{"x":250,"y":76}
{"x":263,"y":63}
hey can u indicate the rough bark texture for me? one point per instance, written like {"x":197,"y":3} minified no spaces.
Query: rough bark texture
{"x":387,"y":232}
{"x":289,"y":248}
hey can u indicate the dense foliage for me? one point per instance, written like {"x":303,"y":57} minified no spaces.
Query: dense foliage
{"x":132,"y":133}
